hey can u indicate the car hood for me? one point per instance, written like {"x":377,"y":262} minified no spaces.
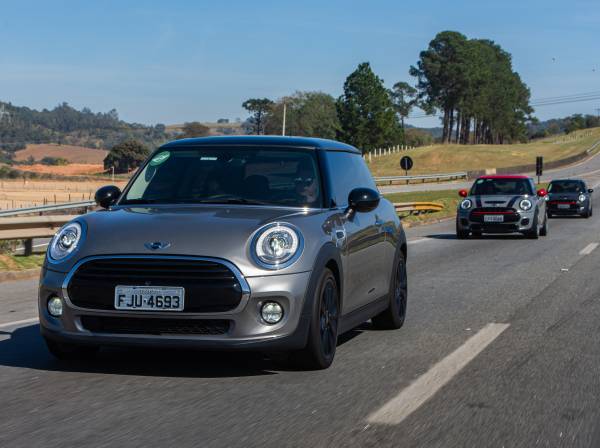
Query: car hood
{"x":206,"y":231}
{"x":563,"y":196}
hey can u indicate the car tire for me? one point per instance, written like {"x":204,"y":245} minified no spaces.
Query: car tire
{"x":534,"y":233}
{"x":70,"y":352}
{"x":544,"y":229}
{"x":323,"y":331}
{"x":461,"y":234}
{"x":393,"y":317}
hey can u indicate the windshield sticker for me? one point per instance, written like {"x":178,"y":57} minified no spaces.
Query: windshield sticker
{"x":160,"y":158}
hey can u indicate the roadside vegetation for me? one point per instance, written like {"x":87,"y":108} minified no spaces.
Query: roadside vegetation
{"x":448,"y":198}
{"x":20,"y":262}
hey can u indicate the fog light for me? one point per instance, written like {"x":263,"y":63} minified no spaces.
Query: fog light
{"x":55,"y":306}
{"x":271,"y":312}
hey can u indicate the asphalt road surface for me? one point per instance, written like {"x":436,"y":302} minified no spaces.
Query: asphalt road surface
{"x":501,"y":348}
{"x":588,"y":169}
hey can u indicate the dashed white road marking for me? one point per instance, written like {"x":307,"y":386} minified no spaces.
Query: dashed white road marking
{"x":16,"y":323}
{"x":427,"y":385}
{"x":588,"y":249}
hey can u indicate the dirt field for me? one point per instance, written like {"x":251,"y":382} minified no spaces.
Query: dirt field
{"x":20,"y":194}
{"x":74,"y":154}
{"x":72,"y":169}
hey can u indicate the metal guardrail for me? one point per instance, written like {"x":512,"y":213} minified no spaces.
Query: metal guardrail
{"x":390,"y":180}
{"x":46,"y":208}
{"x":413,"y":207}
{"x":29,"y":227}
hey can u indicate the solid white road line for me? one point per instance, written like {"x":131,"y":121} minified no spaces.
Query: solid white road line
{"x":17,"y":323}
{"x":588,"y":249}
{"x":417,"y":240}
{"x":426,"y":386}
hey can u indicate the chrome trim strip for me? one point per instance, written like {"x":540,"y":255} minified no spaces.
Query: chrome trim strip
{"x":240,"y":278}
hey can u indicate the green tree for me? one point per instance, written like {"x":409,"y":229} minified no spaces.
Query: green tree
{"x":405,"y":98}
{"x":473,"y":84}
{"x":367,"y":116}
{"x":259,"y":108}
{"x":126,"y":156}
{"x":308,"y":114}
{"x":193,"y":129}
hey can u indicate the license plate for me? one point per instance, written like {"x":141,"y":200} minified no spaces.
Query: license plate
{"x":564,"y":206}
{"x":493,"y":218}
{"x":149,"y":298}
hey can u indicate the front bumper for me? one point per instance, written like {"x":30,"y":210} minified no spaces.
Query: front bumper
{"x":519,"y":221}
{"x":245,"y":328}
{"x":574,"y":208}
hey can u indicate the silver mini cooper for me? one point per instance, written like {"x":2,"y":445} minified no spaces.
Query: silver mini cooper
{"x":263,"y":243}
{"x":502,"y":204}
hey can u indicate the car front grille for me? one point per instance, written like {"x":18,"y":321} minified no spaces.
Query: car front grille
{"x":155,"y":326}
{"x":210,"y":286}
{"x":510,"y":214}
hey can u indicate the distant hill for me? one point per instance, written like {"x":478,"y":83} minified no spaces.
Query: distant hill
{"x":66,"y":125}
{"x":436,"y":133}
{"x":72,"y":154}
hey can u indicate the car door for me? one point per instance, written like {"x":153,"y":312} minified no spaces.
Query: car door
{"x":363,"y":252}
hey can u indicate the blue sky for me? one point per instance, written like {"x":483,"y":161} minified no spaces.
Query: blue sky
{"x":176,"y":61}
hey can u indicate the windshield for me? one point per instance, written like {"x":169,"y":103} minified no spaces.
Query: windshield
{"x":229,"y":176}
{"x":491,"y":187}
{"x":565,"y":186}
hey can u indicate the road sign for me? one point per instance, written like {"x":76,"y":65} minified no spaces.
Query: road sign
{"x":406,"y":163}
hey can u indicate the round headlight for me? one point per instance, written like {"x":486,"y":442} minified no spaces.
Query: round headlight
{"x":277,"y":246}
{"x":581,"y":197}
{"x":65,"y":242}
{"x":525,"y":204}
{"x":466,"y":204}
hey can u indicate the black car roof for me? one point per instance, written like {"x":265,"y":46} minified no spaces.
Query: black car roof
{"x":262,"y":140}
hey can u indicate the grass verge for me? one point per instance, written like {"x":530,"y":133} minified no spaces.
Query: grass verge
{"x":449,"y":198}
{"x":20,"y":262}
{"x":453,"y":158}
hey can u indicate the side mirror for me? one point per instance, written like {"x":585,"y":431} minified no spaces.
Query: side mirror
{"x":107,"y":196}
{"x":541,"y":193}
{"x":363,"y":200}
{"x":591,"y":190}
{"x":463,"y":193}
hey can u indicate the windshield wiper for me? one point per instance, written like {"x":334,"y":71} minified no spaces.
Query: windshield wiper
{"x":140,"y":201}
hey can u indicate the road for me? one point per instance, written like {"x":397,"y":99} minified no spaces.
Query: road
{"x":588,"y":169}
{"x":501,"y":348}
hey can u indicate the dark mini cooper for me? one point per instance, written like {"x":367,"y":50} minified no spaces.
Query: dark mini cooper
{"x":502,"y":204}
{"x":264,"y":243}
{"x":569,"y":197}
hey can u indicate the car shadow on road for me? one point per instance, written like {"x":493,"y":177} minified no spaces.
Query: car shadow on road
{"x":25,"y":348}
{"x":487,"y":236}
{"x":577,"y":217}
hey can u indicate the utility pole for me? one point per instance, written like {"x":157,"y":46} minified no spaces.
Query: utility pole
{"x":598,"y":112}
{"x":284,"y":114}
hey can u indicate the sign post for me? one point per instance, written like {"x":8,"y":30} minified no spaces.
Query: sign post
{"x":539,"y":167}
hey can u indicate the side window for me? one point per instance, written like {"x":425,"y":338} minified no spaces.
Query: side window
{"x":347,"y":171}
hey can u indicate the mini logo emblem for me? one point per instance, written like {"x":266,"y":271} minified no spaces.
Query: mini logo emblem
{"x":156,"y":245}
